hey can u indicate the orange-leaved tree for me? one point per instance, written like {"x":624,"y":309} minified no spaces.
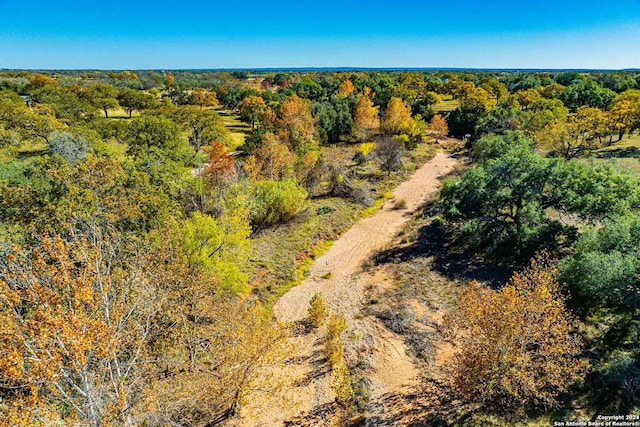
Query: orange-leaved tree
{"x":514,"y":346}
{"x":271,"y":159}
{"x":220,"y":165}
{"x":296,"y":119}
{"x":74,"y":328}
{"x":438,"y":125}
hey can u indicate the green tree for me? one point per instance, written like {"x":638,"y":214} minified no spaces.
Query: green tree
{"x":251,"y":108}
{"x":501,"y":204}
{"x":27,"y":125}
{"x":334,"y":118}
{"x":134,"y":100}
{"x":587,"y":93}
{"x":102,"y":96}
{"x":152,"y":133}
{"x":203,"y":126}
{"x":219,"y":245}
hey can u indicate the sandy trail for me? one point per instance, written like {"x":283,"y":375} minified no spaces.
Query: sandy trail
{"x":336,"y":274}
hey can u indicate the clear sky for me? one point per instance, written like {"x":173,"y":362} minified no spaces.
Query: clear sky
{"x":330,"y":33}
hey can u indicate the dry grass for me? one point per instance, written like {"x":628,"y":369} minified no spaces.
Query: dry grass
{"x":282,"y":254}
{"x":121,"y":114}
{"x":400,"y":204}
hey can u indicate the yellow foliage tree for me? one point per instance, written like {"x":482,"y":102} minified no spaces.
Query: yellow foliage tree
{"x":438,"y":125}
{"x":625,"y":111}
{"x":346,"y":88}
{"x":527,"y":97}
{"x":366,"y":120}
{"x":552,"y":91}
{"x":397,"y":117}
{"x":515,"y":346}
{"x":74,"y":330}
{"x":203,"y":98}
{"x":579,"y":133}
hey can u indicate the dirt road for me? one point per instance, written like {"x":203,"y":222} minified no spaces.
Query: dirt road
{"x":336,"y":274}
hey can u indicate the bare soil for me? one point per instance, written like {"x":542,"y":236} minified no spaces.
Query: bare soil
{"x":371,"y":347}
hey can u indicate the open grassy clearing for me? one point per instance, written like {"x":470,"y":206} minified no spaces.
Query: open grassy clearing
{"x":447,"y":104}
{"x":626,"y":153}
{"x":238,"y":129}
{"x":121,"y":114}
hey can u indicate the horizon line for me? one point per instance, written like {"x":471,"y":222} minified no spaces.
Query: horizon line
{"x":339,"y":68}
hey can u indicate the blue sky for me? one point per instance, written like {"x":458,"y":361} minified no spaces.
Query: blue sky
{"x":329,"y":33}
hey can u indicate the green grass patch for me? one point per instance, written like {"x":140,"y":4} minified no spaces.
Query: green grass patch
{"x":446,"y":105}
{"x":121,"y":114}
{"x":626,"y":153}
{"x":238,"y":129}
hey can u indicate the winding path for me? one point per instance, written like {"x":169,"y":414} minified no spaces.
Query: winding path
{"x":336,"y":274}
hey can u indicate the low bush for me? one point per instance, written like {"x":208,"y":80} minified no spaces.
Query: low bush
{"x":317,"y":310}
{"x":276,"y":201}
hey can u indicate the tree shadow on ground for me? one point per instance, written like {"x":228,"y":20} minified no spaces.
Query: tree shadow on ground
{"x":448,"y":259}
{"x":434,"y":405}
{"x":623,"y":152}
{"x":320,"y":416}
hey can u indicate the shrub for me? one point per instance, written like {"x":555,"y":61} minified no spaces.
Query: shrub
{"x":276,"y":201}
{"x":317,"y":310}
{"x":72,"y":148}
{"x":341,"y":185}
{"x":366,"y":147}
{"x":333,"y":344}
{"x":515,"y":346}
{"x":389,"y":150}
{"x":342,"y":385}
{"x":400,"y":204}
